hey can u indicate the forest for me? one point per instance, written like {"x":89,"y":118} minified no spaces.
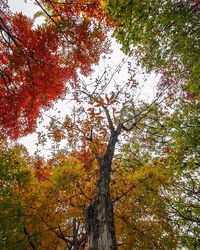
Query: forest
{"x":128,"y":174}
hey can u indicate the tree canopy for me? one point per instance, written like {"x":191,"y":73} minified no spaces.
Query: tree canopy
{"x":62,"y":45}
{"x":128,"y":174}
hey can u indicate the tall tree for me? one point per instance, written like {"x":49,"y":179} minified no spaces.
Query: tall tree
{"x":42,"y":203}
{"x":99,"y":126}
{"x":71,"y":40}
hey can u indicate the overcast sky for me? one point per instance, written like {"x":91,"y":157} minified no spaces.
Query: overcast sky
{"x":28,"y":8}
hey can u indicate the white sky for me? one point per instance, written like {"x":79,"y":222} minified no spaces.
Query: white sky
{"x":29,"y":8}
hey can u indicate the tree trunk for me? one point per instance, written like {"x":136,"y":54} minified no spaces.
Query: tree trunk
{"x":99,"y":215}
{"x":75,"y":235}
{"x":99,"y":218}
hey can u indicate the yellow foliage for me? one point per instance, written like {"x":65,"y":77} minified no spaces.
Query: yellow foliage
{"x":53,"y":203}
{"x":103,"y":4}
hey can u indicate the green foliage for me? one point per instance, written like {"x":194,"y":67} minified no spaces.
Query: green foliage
{"x":164,"y":35}
{"x":13,"y":167}
{"x":174,"y":138}
{"x":184,"y":207}
{"x":67,"y":172}
{"x":183,"y":158}
{"x":184,"y":128}
{"x":15,"y":176}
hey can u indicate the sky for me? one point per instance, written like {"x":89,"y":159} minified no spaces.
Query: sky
{"x":26,"y":7}
{"x":148,"y":85}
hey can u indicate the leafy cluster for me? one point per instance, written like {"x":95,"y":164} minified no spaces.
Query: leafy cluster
{"x":42,"y":202}
{"x":164,"y":35}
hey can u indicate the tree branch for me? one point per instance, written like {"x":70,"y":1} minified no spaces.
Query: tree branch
{"x":123,"y":194}
{"x":110,"y":123}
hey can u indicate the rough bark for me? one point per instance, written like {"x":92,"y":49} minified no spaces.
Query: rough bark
{"x":75,"y":235}
{"x":99,"y":215}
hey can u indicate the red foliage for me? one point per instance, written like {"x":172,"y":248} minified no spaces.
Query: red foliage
{"x":85,"y":156}
{"x":41,"y":171}
{"x":37,"y":62}
{"x":91,"y":9}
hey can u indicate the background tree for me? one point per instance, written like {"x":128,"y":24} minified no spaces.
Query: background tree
{"x":41,"y":204}
{"x":183,"y":158}
{"x":163,"y":35}
{"x":173,"y":135}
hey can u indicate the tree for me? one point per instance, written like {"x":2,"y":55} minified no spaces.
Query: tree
{"x":163,"y":35}
{"x":183,"y":159}
{"x":70,"y":40}
{"x":173,"y":135}
{"x":42,"y":203}
{"x":15,"y":179}
{"x":99,"y":126}
{"x":105,"y":117}
{"x":36,"y":211}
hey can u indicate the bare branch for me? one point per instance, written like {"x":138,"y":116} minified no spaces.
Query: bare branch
{"x":50,"y":17}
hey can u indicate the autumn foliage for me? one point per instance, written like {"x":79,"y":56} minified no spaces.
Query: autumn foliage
{"x":123,"y":170}
{"x":42,"y":203}
{"x":37,"y":63}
